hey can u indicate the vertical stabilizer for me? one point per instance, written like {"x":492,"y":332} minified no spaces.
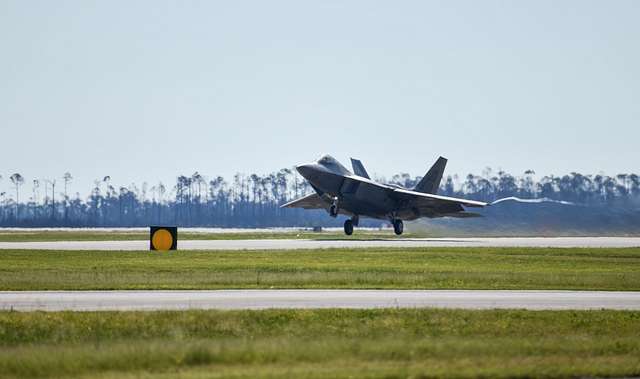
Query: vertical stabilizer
{"x":358,"y":168}
{"x":431,"y":181}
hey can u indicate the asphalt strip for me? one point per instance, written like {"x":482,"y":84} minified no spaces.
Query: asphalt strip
{"x":292,"y":244}
{"x":297,"y":299}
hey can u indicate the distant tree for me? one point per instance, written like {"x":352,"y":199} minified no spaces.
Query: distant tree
{"x":67,"y":178}
{"x":196,"y":181}
{"x":2,"y":204}
{"x":470,"y":185}
{"x":36,"y":185}
{"x":17,"y":181}
{"x":161,"y":191}
{"x":402,"y":179}
{"x":635,"y":184}
{"x":122,"y":198}
{"x":506,"y":184}
{"x":623,"y":187}
{"x":253,"y":200}
{"x":448,"y":186}
{"x":53,"y":198}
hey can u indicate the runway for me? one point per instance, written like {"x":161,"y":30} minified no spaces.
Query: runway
{"x":290,"y":299}
{"x":288,"y":244}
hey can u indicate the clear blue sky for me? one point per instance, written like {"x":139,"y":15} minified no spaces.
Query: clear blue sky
{"x":147,"y":90}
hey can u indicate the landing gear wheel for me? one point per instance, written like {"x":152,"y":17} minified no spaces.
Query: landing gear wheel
{"x":333,"y":210}
{"x":398,"y":227}
{"x":348,"y":227}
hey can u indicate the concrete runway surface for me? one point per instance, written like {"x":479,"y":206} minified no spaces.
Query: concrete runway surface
{"x":285,"y":244}
{"x":262,"y":299}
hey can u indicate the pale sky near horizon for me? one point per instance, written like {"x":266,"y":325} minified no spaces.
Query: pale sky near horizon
{"x":148,"y":90}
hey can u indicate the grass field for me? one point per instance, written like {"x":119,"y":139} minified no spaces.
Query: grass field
{"x":389,"y":343}
{"x":119,"y":235}
{"x":428,"y":268}
{"x":320,"y":343}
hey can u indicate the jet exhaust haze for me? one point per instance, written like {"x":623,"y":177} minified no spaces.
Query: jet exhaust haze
{"x":536,"y":201}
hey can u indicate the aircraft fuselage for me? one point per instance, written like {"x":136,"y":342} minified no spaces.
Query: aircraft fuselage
{"x":339,"y":191}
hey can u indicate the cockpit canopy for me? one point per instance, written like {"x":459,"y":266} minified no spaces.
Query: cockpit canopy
{"x":333,"y":165}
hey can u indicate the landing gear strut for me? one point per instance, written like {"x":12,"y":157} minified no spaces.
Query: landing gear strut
{"x":398,"y":226}
{"x":333,"y":209}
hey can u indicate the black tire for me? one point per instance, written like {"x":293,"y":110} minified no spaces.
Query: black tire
{"x":398,"y":227}
{"x":333,"y":210}
{"x":348,"y":227}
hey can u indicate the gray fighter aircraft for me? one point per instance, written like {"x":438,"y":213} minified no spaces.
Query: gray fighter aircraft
{"x":339,"y":191}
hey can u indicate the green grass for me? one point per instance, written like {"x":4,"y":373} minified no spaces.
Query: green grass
{"x":429,"y":268}
{"x":97,"y":235}
{"x":320,"y":343}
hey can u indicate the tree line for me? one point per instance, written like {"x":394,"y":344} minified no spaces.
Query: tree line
{"x":254,"y":200}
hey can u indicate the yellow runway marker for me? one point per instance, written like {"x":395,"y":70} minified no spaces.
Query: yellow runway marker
{"x":163,"y":238}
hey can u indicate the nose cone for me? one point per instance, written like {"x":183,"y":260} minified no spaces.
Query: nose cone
{"x":306,"y":170}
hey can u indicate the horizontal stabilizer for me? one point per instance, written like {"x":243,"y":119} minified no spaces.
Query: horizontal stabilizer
{"x":463,"y":215}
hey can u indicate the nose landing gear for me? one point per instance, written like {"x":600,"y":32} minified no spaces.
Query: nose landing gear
{"x":333,"y":209}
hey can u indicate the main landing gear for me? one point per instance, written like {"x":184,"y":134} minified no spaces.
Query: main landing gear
{"x":349,"y":224}
{"x":348,"y":227}
{"x":398,"y":226}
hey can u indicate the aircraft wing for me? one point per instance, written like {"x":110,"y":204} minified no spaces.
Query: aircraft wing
{"x":430,"y":205}
{"x":420,"y":198}
{"x":431,"y":199}
{"x":312,"y":201}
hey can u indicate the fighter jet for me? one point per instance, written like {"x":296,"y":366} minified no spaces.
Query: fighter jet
{"x":339,"y":191}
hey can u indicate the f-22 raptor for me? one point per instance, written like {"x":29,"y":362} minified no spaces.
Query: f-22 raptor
{"x":339,"y":191}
